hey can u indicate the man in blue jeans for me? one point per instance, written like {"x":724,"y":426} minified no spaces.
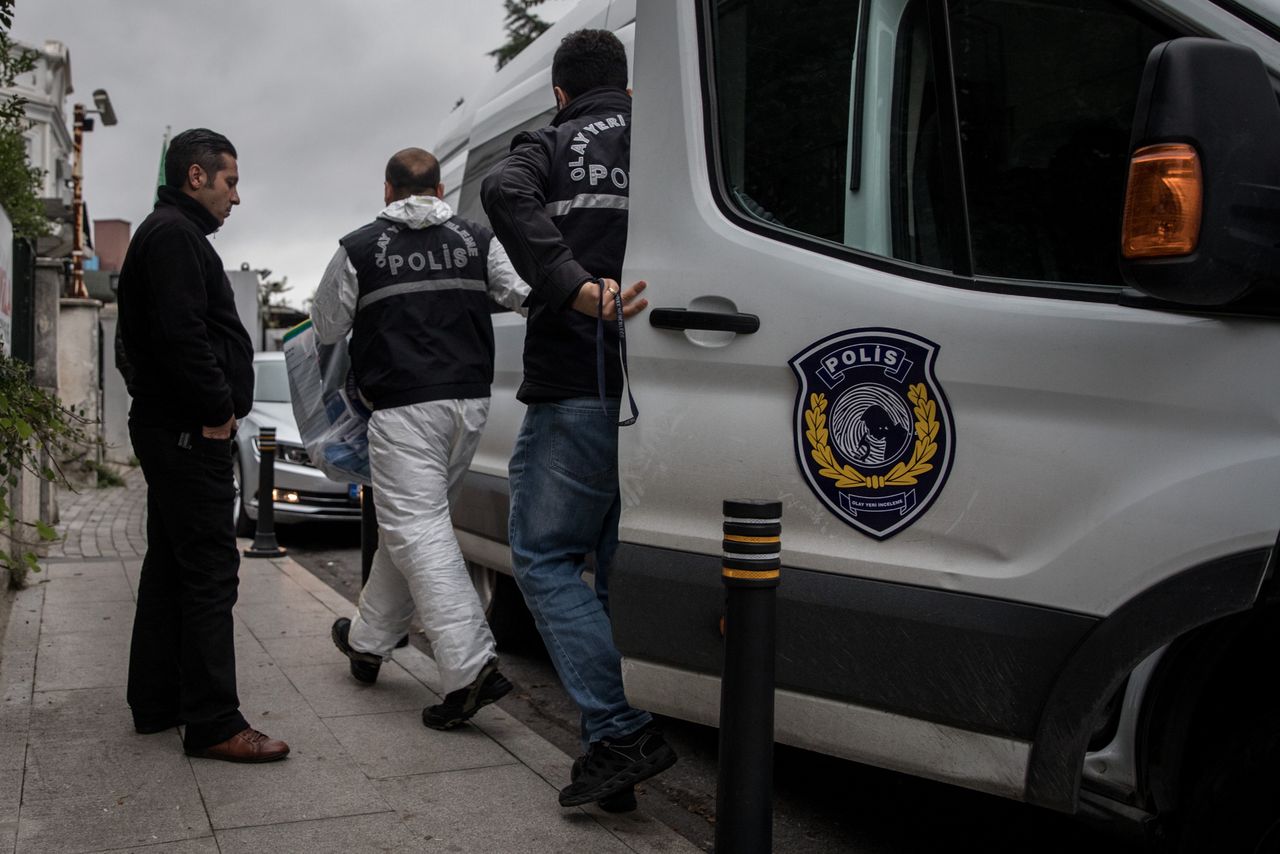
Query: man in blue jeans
{"x":558,"y":202}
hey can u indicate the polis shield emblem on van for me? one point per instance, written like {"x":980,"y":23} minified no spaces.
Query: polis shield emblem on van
{"x":873,"y":432}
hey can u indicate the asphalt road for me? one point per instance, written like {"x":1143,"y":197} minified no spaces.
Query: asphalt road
{"x":821,"y":804}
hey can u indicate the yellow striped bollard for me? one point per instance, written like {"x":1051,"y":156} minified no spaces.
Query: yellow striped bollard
{"x":752,"y":565}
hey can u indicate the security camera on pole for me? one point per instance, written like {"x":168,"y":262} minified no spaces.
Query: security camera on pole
{"x":83,"y":124}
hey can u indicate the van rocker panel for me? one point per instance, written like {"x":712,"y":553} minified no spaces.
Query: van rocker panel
{"x":955,"y":659}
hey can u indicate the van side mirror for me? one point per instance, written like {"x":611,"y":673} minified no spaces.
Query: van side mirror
{"x":1202,"y":202}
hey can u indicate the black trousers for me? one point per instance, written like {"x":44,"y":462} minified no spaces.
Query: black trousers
{"x":182,"y":661}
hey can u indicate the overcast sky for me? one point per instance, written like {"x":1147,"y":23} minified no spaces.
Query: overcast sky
{"x":314,"y":94}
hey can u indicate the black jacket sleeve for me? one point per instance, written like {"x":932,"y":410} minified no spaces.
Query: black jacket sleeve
{"x":514,"y":195}
{"x":176,"y":309}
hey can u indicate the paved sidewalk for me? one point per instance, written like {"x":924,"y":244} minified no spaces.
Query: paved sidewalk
{"x":364,"y":774}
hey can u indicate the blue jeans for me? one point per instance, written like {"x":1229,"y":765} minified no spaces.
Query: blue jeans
{"x":565,"y":506}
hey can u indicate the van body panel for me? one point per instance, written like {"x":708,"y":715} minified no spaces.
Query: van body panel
{"x":963,"y":661}
{"x":1077,"y":443}
{"x":986,"y":763}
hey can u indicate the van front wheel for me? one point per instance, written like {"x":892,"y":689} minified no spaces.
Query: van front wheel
{"x":1235,"y":805}
{"x":504,"y":608}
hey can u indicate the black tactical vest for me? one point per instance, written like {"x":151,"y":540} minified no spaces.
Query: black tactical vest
{"x":422,"y":330}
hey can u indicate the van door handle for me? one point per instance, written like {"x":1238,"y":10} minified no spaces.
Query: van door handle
{"x":716,"y":321}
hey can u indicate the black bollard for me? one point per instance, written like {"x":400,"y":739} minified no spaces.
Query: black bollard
{"x":264,"y":539}
{"x":751,"y":569}
{"x":368,"y":532}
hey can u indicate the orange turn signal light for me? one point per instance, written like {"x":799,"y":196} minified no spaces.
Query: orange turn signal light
{"x":1164,"y":202}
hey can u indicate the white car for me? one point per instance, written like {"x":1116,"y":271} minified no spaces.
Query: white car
{"x":302,"y":492}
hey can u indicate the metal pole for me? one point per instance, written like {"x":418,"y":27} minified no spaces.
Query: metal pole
{"x":78,"y":289}
{"x":752,"y":566}
{"x":368,"y":532}
{"x":264,"y":539}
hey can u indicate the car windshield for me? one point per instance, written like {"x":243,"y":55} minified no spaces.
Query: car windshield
{"x":272,"y":382}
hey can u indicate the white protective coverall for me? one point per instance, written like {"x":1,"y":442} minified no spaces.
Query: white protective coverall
{"x":418,"y":455}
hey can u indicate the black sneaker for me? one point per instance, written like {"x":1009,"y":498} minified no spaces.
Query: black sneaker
{"x":364,"y":665}
{"x":489,"y":685}
{"x":611,"y":766}
{"x":623,"y":800}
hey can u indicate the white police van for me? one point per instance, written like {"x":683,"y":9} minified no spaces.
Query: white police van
{"x":986,"y":292}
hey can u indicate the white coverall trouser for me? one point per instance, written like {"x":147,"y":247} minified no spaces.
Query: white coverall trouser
{"x":418,"y":455}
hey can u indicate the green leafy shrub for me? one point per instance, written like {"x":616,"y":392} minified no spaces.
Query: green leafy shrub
{"x":34,"y":428}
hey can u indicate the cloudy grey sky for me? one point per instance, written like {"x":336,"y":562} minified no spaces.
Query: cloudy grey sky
{"x":315,"y":95}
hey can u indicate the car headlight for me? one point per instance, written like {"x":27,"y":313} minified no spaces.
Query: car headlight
{"x":288,"y":452}
{"x":295,"y":454}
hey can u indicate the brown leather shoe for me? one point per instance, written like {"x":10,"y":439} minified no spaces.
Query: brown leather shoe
{"x":248,"y":745}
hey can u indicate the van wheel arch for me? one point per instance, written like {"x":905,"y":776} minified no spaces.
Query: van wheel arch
{"x":1154,"y":618}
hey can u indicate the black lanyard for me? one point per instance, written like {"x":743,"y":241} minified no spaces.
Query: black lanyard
{"x":622,"y":352}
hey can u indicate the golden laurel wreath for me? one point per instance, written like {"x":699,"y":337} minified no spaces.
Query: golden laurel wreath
{"x":902,"y":474}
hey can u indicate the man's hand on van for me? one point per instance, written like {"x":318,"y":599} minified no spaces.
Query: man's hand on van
{"x":588,"y":299}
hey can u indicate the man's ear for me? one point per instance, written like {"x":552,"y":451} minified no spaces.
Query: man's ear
{"x":388,"y":195}
{"x":562,"y":97}
{"x":440,"y":190}
{"x":196,"y":176}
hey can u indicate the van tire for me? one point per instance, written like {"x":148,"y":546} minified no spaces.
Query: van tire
{"x":504,"y":608}
{"x":1235,"y":804}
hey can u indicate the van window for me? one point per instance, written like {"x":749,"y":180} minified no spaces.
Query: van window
{"x":783,"y":89}
{"x":1046,"y":93}
{"x":833,"y":132}
{"x":483,"y":157}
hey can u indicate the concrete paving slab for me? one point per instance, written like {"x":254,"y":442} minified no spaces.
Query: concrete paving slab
{"x":420,"y":666}
{"x":97,"y":583}
{"x":109,"y":617}
{"x":82,"y":570}
{"x":82,"y":660}
{"x":331,"y":690}
{"x":132,"y":573}
{"x":22,"y":632}
{"x":539,"y":755}
{"x":317,"y":780}
{"x":21,"y":646}
{"x":304,"y":649}
{"x":10,"y":801}
{"x":382,"y":831}
{"x":493,"y":809}
{"x":85,"y":824}
{"x":274,"y":706}
{"x":293,"y":616}
{"x":89,"y":713}
{"x":92,"y":795}
{"x":13,"y":745}
{"x":398,"y":745}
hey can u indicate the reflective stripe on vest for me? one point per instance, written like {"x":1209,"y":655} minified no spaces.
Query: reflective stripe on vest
{"x":588,"y":200}
{"x":419,"y":286}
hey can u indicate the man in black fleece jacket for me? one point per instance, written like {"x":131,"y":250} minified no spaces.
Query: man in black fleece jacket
{"x":191,"y":377}
{"x":558,"y":202}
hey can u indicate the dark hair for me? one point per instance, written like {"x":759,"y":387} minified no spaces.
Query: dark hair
{"x":588,"y":59}
{"x":413,"y":171}
{"x":200,"y":146}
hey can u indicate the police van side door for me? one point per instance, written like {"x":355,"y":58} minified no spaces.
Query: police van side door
{"x":867,"y":183}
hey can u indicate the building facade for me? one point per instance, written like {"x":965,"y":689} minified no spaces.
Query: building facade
{"x":49,"y":140}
